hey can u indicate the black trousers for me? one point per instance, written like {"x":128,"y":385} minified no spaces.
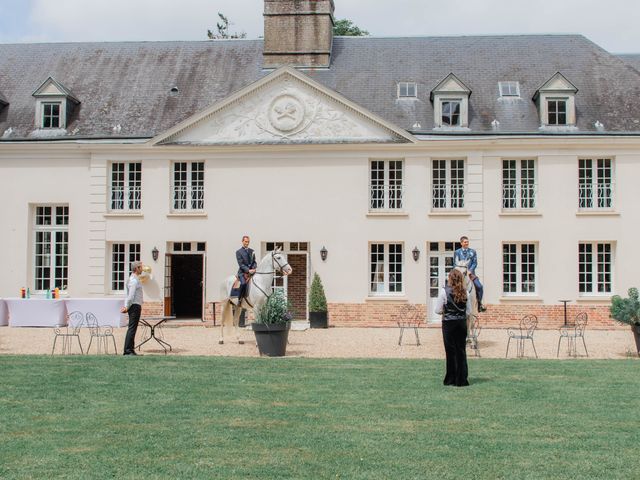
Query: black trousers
{"x":134,"y":317}
{"x":454,"y":335}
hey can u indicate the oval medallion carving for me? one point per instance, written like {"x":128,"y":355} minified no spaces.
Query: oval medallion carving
{"x":286,"y":113}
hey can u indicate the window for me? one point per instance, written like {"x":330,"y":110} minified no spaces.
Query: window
{"x":557,"y":111}
{"x":447,"y":189}
{"x":519,"y":268}
{"x":518,"y":184}
{"x":509,"y":89}
{"x":385,"y":268}
{"x":50,"y":115}
{"x":51,"y":252}
{"x":595,"y":262}
{"x":595,"y":183}
{"x":126,"y":181}
{"x":386,"y":185}
{"x":407,"y":89}
{"x":188,"y":186}
{"x":451,"y":113}
{"x":122,"y":255}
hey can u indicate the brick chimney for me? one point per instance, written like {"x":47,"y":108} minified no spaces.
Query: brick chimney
{"x":298,"y":33}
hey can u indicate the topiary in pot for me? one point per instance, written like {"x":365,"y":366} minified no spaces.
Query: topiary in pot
{"x":627,"y":310}
{"x":318,"y":317}
{"x":272,"y":324}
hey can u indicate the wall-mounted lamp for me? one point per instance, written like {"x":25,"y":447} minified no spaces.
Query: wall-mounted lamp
{"x":416,"y":253}
{"x":154,"y":254}
{"x":323,"y":253}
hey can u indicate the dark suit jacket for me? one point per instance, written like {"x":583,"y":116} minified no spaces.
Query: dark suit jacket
{"x":246,"y":260}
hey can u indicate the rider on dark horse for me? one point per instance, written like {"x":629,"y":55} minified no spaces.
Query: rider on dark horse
{"x":246,"y":265}
{"x":469,"y":254}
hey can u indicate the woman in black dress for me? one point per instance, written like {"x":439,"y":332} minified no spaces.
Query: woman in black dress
{"x":455,"y":308}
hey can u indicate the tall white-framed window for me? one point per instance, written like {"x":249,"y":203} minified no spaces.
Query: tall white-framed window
{"x":519,"y":187}
{"x":51,"y":247}
{"x":385,"y":268}
{"x":407,"y":89}
{"x":509,"y":89}
{"x":125,"y":189}
{"x":447,"y":184}
{"x":386,"y":184}
{"x":595,"y":183}
{"x":595,"y":268}
{"x":187,"y":186}
{"x":556,"y":111}
{"x":122,"y":255}
{"x":51,"y":114}
{"x":519,"y":271}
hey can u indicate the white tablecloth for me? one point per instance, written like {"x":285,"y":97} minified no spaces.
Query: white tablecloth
{"x":4,"y":314}
{"x":106,"y":310}
{"x":36,"y":312}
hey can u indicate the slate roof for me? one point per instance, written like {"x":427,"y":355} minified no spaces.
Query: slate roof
{"x":128,"y":83}
{"x":632,"y":59}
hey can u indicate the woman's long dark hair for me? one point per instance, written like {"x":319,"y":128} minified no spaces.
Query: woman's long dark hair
{"x":456,"y":282}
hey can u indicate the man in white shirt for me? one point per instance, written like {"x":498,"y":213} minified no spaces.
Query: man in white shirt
{"x":133,"y":306}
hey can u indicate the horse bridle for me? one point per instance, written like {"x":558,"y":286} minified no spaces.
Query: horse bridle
{"x":274,"y":270}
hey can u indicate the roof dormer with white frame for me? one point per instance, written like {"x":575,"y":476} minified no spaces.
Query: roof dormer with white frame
{"x":450,"y":104}
{"x":54,"y":105}
{"x":556,"y":100}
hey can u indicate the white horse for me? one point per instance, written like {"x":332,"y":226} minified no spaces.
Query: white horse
{"x":462,"y":267}
{"x":260,"y":288}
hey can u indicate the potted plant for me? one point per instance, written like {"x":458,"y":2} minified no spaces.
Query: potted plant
{"x":317,"y":304}
{"x":271,"y":325}
{"x":627,"y":310}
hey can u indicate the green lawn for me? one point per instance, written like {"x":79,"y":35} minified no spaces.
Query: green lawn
{"x":207,"y":417}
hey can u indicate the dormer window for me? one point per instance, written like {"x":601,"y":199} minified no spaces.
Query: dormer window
{"x":54,"y":105}
{"x":451,"y":103}
{"x":509,"y":89}
{"x":556,"y":102}
{"x":407,"y":89}
{"x":451,"y":113}
{"x":50,"y":115}
{"x":3,"y":102}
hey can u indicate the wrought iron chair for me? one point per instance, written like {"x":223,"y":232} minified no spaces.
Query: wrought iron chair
{"x":75,"y":321}
{"x":409,"y":317}
{"x":524,"y":332}
{"x":474,"y":332}
{"x":572,"y":333}
{"x":101,"y":334}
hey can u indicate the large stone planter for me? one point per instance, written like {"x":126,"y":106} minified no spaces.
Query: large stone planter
{"x":271,"y":338}
{"x":318,"y":320}
{"x":636,"y":335}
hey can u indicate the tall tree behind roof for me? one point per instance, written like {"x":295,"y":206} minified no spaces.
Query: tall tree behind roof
{"x":346,"y":28}
{"x":222,"y":30}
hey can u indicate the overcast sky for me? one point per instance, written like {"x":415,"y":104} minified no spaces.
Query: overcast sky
{"x":613,"y":24}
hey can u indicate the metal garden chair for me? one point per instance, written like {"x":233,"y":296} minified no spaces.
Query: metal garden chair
{"x":75,"y":321}
{"x":409,"y":318}
{"x":101,"y":334}
{"x":524,"y":332}
{"x":572,"y":333}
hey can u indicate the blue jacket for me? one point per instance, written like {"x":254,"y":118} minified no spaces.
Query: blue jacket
{"x":246,"y":260}
{"x":468,"y":254}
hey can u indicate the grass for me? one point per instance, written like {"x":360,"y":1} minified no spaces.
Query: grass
{"x":207,"y":417}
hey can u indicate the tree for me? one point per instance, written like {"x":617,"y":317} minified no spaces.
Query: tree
{"x":222,"y":30}
{"x":346,"y":28}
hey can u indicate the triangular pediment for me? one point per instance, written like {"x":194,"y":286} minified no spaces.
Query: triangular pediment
{"x":450,"y":84}
{"x":51,"y":88}
{"x":557,"y":83}
{"x":285,"y":107}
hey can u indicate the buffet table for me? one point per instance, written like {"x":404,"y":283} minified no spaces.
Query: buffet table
{"x":36,"y":312}
{"x":106,"y":310}
{"x":4,"y":314}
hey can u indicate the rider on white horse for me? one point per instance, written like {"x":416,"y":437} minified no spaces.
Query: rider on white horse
{"x":246,"y":265}
{"x":470,"y":258}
